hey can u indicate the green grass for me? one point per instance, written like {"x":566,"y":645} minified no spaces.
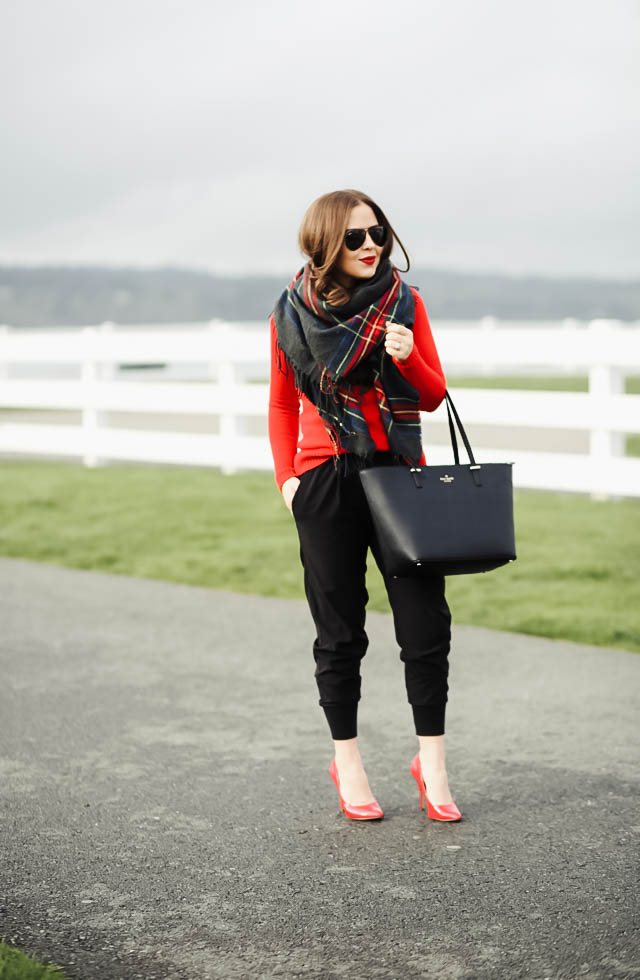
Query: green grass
{"x":547,"y":382}
{"x":577,"y":575}
{"x":15,"y":965}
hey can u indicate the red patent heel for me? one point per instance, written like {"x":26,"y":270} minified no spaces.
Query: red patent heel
{"x":441,"y":811}
{"x":366,"y":811}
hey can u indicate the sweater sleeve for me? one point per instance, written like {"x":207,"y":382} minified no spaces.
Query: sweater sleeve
{"x":422,"y":368}
{"x":284,"y":414}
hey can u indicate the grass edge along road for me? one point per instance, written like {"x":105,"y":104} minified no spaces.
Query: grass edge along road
{"x":577,"y":575}
{"x":16,"y":965}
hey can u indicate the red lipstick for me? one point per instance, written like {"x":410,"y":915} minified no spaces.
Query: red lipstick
{"x":369,"y":261}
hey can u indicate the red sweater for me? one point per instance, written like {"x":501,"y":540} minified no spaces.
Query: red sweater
{"x":299,"y":440}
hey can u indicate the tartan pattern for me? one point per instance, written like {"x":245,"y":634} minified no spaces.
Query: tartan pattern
{"x":332,"y":348}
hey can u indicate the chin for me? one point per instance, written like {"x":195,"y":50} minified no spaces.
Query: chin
{"x":366,"y":271}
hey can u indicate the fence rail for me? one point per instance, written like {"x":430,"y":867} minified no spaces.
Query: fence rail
{"x":231,"y":367}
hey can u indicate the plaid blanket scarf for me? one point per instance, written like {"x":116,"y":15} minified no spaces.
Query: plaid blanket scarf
{"x":331,"y":349}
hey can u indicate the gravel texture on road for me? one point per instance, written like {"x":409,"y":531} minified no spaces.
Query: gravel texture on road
{"x":167,"y":810}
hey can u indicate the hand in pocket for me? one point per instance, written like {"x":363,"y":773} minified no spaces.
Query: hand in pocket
{"x":289,"y":489}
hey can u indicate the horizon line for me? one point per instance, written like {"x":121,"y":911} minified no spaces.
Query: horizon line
{"x":275,"y":273}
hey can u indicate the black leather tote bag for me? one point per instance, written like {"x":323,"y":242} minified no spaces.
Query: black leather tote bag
{"x":447,"y":520}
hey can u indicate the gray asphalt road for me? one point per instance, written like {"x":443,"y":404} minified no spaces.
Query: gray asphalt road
{"x":167,"y":811}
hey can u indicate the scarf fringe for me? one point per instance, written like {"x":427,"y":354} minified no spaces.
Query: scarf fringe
{"x":283,"y":361}
{"x":343,"y":462}
{"x":324,"y":398}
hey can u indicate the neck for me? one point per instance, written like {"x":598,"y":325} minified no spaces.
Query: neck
{"x":347,"y":281}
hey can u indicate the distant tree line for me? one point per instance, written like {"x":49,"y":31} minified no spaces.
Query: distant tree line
{"x":65,"y":295}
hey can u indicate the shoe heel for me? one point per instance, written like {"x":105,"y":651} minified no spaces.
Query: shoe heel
{"x":447,"y":811}
{"x":415,"y":772}
{"x":367,"y":811}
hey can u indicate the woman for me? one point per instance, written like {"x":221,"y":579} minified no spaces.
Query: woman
{"x":353,"y":364}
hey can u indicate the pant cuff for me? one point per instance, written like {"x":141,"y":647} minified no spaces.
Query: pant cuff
{"x":429,"y":718}
{"x":342,"y":719}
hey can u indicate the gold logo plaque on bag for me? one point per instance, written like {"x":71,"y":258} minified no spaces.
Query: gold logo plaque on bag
{"x":447,"y":479}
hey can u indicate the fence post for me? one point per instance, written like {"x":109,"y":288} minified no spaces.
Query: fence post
{"x":487,"y":323}
{"x":89,"y":378}
{"x":4,"y":365}
{"x":570,"y":323}
{"x":605,"y":380}
{"x":214,"y":325}
{"x":223,"y":333}
{"x":106,"y":372}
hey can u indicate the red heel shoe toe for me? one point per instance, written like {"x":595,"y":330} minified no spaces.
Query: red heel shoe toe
{"x":440,"y":811}
{"x":366,"y":811}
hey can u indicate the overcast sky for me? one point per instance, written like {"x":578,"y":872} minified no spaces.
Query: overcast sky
{"x":497,"y":135}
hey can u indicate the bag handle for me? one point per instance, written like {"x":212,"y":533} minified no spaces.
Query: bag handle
{"x":473,"y":466}
{"x":452,"y":431}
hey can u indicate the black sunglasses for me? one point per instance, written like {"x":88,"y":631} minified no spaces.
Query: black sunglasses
{"x":354,"y":237}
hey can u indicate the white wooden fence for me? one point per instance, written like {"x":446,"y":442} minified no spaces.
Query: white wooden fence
{"x":229,"y":357}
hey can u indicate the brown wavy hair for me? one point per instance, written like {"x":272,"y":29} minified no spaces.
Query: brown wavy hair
{"x":321,"y":237}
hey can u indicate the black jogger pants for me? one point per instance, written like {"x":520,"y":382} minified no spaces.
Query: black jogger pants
{"x":335,"y":531}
